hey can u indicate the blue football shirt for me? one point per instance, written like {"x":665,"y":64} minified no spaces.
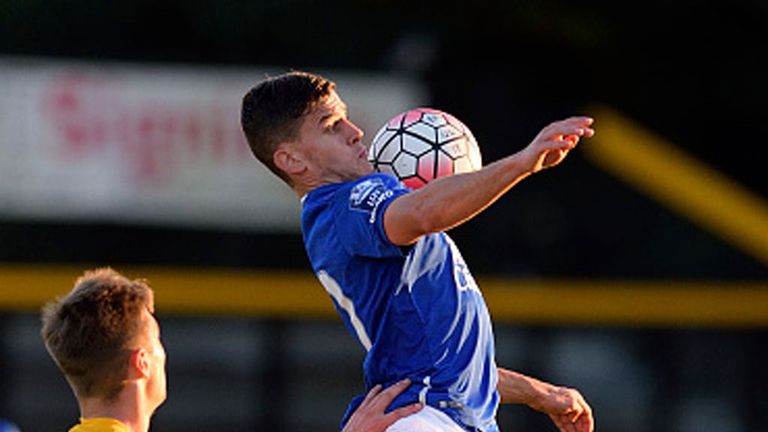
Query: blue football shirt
{"x":417,"y":311}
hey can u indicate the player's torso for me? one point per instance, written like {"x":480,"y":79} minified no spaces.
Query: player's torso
{"x":418,"y":312}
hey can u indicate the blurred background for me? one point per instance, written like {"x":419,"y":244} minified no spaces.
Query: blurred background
{"x":637,"y":271}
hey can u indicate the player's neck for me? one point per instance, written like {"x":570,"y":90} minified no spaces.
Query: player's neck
{"x":304,"y":185}
{"x":301,"y":191}
{"x":302,"y":188}
{"x":128,"y":409}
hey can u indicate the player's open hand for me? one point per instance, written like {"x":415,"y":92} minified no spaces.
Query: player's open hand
{"x":554,"y":142}
{"x":370,"y":415}
{"x":568,"y":410}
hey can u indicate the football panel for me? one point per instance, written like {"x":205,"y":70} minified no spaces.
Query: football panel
{"x":463,"y":165}
{"x":377,"y":143}
{"x":455,"y":149}
{"x":423,"y":131}
{"x":410,"y":117}
{"x":448,"y":133}
{"x":434,"y":118}
{"x":386,"y":169}
{"x":404,"y":165}
{"x":427,"y":167}
{"x":396,"y":121}
{"x":378,"y":137}
{"x":475,"y":156}
{"x":385,"y":151}
{"x":414,"y":182}
{"x":445,"y":166}
{"x":414,"y":145}
{"x":455,"y":122}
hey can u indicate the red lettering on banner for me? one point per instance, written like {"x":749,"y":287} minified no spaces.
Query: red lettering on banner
{"x":192,"y":132}
{"x":91,"y":116}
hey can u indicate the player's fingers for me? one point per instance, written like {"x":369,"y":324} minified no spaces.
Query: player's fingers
{"x":371,"y":395}
{"x":570,"y":427}
{"x":575,"y":416}
{"x":587,"y":120}
{"x":571,"y":415}
{"x":570,"y":134}
{"x":578,"y":408}
{"x":571,"y":140}
{"x":580,"y":120}
{"x":572,"y":122}
{"x":581,"y":131}
{"x":581,"y":417}
{"x":404,"y":411}
{"x":585,"y":424}
{"x":586,"y":406}
{"x":390,"y":393}
{"x":586,"y":421}
{"x":581,"y":426}
{"x":561,"y":129}
{"x":562,"y":423}
{"x":578,"y":404}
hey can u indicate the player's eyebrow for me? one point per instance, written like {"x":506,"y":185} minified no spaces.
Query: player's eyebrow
{"x":343,"y":107}
{"x":340,"y":108}
{"x":325,"y":116}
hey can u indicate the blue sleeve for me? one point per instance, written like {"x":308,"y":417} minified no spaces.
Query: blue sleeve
{"x":359,"y":215}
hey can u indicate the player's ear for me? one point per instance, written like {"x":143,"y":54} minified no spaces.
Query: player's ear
{"x":139,"y":363}
{"x":288,"y":159}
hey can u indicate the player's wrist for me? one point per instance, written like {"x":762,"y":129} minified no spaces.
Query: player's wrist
{"x":522,"y":164}
{"x":541,"y":395}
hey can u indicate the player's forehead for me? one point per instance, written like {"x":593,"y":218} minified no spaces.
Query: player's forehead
{"x":150,"y":324}
{"x":330,"y":105}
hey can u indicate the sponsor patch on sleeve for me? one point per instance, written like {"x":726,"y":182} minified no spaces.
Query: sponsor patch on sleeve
{"x":367,"y":195}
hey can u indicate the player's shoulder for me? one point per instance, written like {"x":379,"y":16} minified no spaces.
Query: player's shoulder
{"x":355,"y":188}
{"x":364,"y":193}
{"x":371,"y":190}
{"x":374,"y":180}
{"x":377,"y":178}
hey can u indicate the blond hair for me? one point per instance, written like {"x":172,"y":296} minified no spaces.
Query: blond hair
{"x":89,"y":331}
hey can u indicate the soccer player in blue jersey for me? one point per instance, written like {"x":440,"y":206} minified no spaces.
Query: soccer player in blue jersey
{"x":382,"y":254}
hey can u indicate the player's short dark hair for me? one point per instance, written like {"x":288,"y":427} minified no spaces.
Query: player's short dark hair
{"x":88,"y":332}
{"x":272,"y":111}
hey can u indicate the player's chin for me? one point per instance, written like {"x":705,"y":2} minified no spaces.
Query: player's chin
{"x":365,"y":169}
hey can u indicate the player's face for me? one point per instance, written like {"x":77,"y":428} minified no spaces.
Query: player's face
{"x":331,"y":144}
{"x":157,"y":382}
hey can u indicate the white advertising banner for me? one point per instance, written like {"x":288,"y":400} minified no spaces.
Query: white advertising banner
{"x":148,"y":144}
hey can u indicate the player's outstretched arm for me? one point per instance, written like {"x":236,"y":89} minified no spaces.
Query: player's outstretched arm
{"x":449,"y":201}
{"x":565,"y":406}
{"x":370,"y":415}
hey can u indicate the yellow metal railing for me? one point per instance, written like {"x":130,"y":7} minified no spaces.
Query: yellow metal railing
{"x":297,"y":295}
